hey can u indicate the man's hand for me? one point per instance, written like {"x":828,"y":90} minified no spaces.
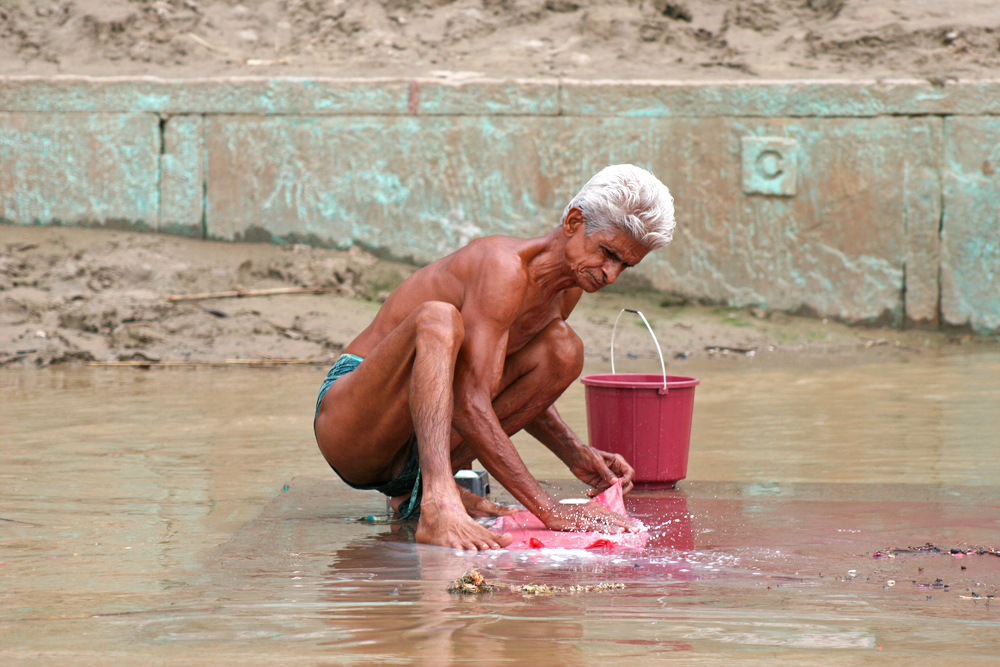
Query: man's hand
{"x":600,"y":469}
{"x":592,"y":517}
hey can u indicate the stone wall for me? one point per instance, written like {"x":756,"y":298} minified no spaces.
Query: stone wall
{"x":863,"y":201}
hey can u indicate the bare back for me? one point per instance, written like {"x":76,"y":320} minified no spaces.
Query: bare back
{"x":494,"y":269}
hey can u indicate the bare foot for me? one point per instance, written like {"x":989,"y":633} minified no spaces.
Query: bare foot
{"x":478,"y":506}
{"x":450,"y":526}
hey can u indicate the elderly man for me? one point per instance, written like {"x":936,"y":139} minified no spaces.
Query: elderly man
{"x":475,"y":347}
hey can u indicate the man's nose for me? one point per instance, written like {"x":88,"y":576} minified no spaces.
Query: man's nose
{"x":611,"y":272}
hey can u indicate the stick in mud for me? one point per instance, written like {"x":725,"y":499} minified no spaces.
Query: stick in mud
{"x":239,"y":294}
{"x":228,"y":362}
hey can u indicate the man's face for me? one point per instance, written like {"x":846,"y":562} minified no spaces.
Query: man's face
{"x":598,"y":259}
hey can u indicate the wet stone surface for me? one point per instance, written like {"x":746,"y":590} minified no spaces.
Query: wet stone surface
{"x":724,"y":567}
{"x":180,"y":517}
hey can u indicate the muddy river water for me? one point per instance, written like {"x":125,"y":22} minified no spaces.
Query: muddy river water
{"x":185,"y":517}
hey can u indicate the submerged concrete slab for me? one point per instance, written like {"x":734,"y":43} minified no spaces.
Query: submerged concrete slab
{"x":731,"y":570}
{"x":144,"y":522}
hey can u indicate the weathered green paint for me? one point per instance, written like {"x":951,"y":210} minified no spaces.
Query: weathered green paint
{"x":182,"y":178}
{"x":252,"y":95}
{"x":569,"y":97}
{"x":421,"y":187}
{"x":842,"y":217}
{"x":80,"y":169}
{"x":815,"y":99}
{"x":770,"y":166}
{"x":970,"y":266}
{"x":484,"y":98}
{"x":416,"y":186}
{"x":835,"y":248}
{"x":921,"y":178}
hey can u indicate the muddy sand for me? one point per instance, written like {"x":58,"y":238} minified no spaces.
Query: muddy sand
{"x":85,"y":295}
{"x":589,"y":39}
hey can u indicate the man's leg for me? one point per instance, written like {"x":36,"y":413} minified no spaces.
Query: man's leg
{"x":533,"y":378}
{"x":404,"y":386}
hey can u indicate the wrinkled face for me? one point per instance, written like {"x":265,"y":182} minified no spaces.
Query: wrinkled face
{"x":598,"y":259}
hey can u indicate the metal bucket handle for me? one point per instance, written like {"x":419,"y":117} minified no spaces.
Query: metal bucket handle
{"x":663,"y":366}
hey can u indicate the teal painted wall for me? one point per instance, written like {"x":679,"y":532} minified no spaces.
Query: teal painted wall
{"x":970,"y":266}
{"x":89,"y":169}
{"x":861,"y":201}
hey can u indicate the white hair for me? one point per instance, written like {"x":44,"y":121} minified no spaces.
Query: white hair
{"x":630,"y":198}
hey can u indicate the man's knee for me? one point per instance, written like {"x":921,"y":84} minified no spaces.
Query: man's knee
{"x":564,"y":351}
{"x":440,"y":322}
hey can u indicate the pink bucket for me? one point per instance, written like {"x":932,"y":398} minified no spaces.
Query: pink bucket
{"x":644,"y":417}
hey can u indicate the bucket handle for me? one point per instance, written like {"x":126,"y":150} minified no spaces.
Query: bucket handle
{"x":663,"y":366}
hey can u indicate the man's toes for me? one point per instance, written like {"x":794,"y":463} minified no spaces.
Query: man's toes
{"x":505,"y":540}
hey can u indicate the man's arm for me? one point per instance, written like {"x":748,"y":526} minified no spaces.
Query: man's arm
{"x":591,"y":466}
{"x":492,"y":303}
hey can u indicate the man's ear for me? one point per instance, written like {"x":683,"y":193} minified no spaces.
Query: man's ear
{"x":572,"y":221}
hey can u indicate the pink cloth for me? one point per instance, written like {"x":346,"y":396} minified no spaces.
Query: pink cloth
{"x":530,"y":533}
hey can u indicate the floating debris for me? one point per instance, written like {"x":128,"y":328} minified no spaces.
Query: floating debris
{"x":472,"y":583}
{"x":723,"y":349}
{"x":936,"y":584}
{"x":371,"y":519}
{"x":530,"y":590}
{"x":976,"y":596}
{"x":933,"y":549}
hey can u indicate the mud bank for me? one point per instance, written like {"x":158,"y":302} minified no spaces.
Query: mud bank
{"x":645,"y":39}
{"x":84,"y":295}
{"x":79,"y":295}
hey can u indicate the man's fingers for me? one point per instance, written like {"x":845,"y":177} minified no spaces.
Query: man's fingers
{"x":625,"y":472}
{"x":605,"y":472}
{"x":620,"y":466}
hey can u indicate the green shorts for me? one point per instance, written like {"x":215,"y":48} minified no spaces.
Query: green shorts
{"x":408,"y":481}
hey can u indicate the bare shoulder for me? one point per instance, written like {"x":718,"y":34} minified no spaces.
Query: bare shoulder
{"x":496,"y":259}
{"x":494,"y":273}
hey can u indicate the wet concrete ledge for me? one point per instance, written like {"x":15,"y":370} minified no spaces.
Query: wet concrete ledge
{"x":477,"y":97}
{"x":866,"y":201}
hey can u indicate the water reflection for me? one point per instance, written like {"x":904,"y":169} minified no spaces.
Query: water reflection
{"x":144,"y":513}
{"x":406,"y":608}
{"x":933,"y":419}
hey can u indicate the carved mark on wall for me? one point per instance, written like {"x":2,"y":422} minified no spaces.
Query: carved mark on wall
{"x":770,"y":165}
